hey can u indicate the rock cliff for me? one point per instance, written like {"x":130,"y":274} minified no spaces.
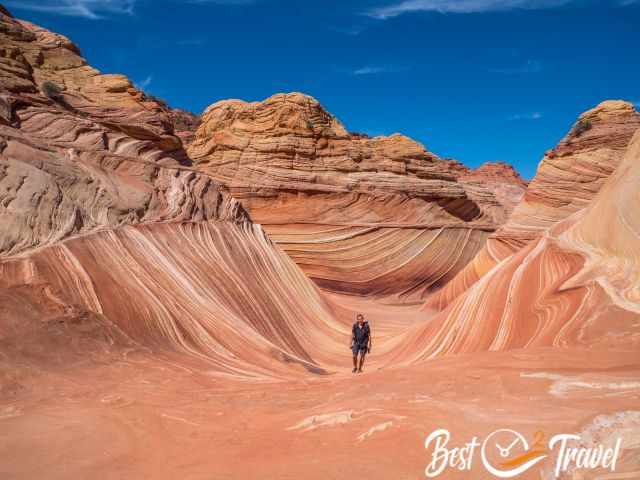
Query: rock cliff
{"x":568,"y":179}
{"x":368,"y":216}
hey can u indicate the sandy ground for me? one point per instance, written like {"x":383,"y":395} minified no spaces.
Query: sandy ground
{"x":142,"y":415}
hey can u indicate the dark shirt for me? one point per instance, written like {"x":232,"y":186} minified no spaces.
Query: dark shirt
{"x":361,"y":334}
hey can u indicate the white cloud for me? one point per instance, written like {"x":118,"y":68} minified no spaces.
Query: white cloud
{"x":460,"y":6}
{"x":368,"y":70}
{"x":526,"y":116}
{"x":374,"y":70}
{"x":144,"y":83}
{"x":92,"y":9}
{"x":530,"y":66}
{"x":96,"y":9}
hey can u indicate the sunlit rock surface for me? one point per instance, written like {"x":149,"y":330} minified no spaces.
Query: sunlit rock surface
{"x":80,"y":150}
{"x":576,"y":284}
{"x":103,"y":219}
{"x":365,"y":216}
{"x":568,"y":178}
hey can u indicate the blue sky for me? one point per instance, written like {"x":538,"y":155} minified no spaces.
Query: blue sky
{"x":474,"y":80}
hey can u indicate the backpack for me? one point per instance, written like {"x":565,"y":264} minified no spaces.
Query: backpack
{"x":366,"y":329}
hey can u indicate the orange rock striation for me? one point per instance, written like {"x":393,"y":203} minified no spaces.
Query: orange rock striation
{"x":568,"y":179}
{"x":105,"y":223}
{"x":365,"y":216}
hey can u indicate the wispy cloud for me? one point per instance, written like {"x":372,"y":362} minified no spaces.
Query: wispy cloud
{"x":375,"y":70}
{"x":530,"y":66}
{"x":460,"y":6}
{"x":225,"y":2}
{"x":144,"y":84}
{"x":351,"y":30}
{"x":368,"y":70}
{"x":526,"y":116}
{"x":91,"y":9}
{"x":96,"y":9}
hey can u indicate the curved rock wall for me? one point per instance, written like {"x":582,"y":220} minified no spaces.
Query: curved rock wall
{"x":365,"y":216}
{"x":575,"y":285}
{"x":218,"y":292}
{"x":568,"y":179}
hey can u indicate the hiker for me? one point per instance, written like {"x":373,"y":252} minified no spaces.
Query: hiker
{"x":360,"y":342}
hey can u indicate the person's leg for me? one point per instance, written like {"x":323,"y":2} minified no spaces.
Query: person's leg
{"x":354,"y":350}
{"x":362,"y":355}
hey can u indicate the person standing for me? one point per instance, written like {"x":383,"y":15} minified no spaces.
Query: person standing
{"x":360,"y":342}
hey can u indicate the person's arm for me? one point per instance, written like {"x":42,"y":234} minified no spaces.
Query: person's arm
{"x":353,"y":336}
{"x":369,"y":347}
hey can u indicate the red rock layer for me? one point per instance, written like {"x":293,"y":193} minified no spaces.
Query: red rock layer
{"x":106,"y":227}
{"x":575,"y":285}
{"x":218,"y":292}
{"x":567,"y":180}
{"x":80,"y":151}
{"x":42,"y":74}
{"x":184,"y":124}
{"x":368,"y":216}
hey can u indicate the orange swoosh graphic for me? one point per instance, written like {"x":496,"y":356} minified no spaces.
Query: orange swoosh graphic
{"x":525,"y":457}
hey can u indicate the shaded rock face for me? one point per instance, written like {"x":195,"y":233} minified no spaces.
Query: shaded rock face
{"x":185,"y":124}
{"x":568,"y":179}
{"x":369,"y":216}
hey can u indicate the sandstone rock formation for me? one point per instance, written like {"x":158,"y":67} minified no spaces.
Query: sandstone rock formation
{"x":369,"y":216}
{"x":80,"y":150}
{"x":568,"y":179}
{"x":185,"y":124}
{"x":103,"y":222}
{"x":575,"y":284}
{"x":149,"y":327}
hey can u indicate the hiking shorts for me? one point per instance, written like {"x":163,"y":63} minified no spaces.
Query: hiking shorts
{"x":359,"y":348}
